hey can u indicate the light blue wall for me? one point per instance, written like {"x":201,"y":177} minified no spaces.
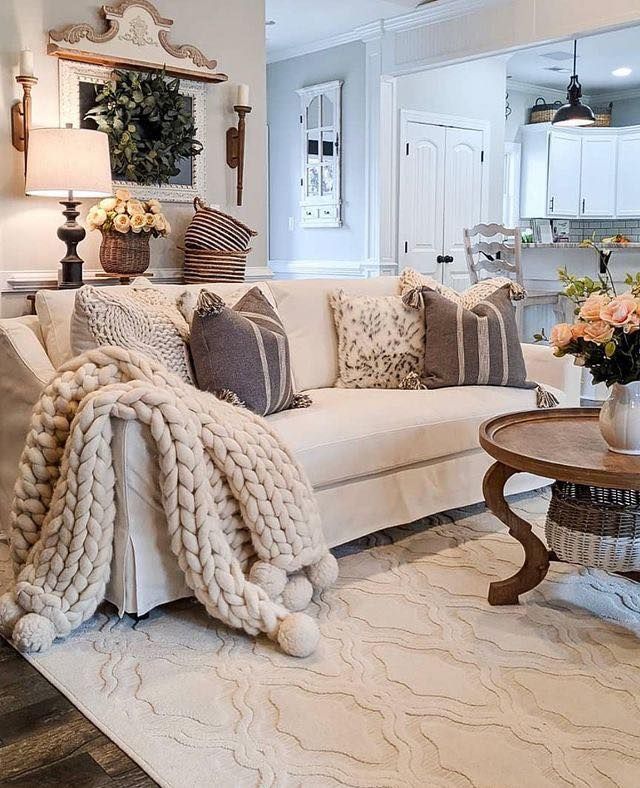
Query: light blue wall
{"x":283,"y":105}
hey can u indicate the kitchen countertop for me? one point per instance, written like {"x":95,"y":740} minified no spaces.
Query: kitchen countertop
{"x":568,"y":245}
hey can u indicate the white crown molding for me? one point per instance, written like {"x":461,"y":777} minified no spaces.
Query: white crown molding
{"x":615,"y":95}
{"x":430,"y":14}
{"x":425,"y":15}
{"x":364,"y":33}
{"x":530,"y":87}
{"x":596,"y":95}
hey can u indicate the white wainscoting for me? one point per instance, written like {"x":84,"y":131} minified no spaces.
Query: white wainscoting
{"x":329,"y":269}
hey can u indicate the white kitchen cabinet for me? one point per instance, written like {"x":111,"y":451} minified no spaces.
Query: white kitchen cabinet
{"x":598,"y":175}
{"x":563,"y":181}
{"x":628,"y":185}
{"x":580,"y":173}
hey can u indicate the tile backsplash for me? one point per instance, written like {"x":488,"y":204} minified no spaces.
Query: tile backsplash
{"x":579,"y":229}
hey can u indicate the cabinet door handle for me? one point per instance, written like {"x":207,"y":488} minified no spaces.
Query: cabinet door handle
{"x":551,"y":201}
{"x":440,"y":259}
{"x":584,"y":204}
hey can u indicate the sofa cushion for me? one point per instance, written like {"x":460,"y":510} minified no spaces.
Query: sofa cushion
{"x":143,"y":319}
{"x":306,"y":313}
{"x":55,"y":307}
{"x":380,"y":340}
{"x":348,"y":433}
{"x":242,"y":350}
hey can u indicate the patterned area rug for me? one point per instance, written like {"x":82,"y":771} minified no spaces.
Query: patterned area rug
{"x":417,"y":680}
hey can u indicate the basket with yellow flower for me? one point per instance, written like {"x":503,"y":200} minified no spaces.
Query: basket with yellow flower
{"x":127,"y":224}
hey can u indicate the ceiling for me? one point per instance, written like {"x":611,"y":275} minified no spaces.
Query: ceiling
{"x":301,"y":22}
{"x":598,"y":56}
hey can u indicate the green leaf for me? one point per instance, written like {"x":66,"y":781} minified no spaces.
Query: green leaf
{"x":610,"y":349}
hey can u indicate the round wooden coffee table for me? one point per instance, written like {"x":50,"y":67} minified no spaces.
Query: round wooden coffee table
{"x":563,"y":444}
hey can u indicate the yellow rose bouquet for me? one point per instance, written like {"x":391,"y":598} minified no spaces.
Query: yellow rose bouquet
{"x":124,"y":214}
{"x":127,"y":224}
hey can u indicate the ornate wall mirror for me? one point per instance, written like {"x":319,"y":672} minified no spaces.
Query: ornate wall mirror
{"x":78,"y":82}
{"x":321,"y":145}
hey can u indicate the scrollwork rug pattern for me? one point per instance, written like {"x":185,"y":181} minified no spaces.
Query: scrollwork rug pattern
{"x":417,"y":681}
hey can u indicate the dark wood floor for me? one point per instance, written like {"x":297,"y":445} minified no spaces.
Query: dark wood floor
{"x":45,"y":740}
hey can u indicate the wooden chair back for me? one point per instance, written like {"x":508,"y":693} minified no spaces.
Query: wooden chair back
{"x":502,"y":255}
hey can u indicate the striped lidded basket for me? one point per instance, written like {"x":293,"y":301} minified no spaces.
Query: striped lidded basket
{"x":216,"y":246}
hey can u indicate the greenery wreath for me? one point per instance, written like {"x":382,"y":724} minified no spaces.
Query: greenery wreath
{"x":150,"y":126}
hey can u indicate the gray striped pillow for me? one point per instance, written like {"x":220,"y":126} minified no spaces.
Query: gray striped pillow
{"x":243,"y":351}
{"x":472,"y":347}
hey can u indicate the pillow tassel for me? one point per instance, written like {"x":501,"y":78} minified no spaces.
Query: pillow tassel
{"x":517,"y":291}
{"x":226,"y":395}
{"x":412,"y":382}
{"x":209,"y":304}
{"x":545,"y":399}
{"x":413,"y":298}
{"x":301,"y":401}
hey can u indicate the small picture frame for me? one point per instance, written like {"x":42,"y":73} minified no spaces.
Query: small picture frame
{"x":561,"y":230}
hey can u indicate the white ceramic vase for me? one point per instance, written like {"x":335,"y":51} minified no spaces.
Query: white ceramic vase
{"x":620,"y":418}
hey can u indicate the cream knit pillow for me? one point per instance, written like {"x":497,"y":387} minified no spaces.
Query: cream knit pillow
{"x":380,"y":341}
{"x":139,"y":319}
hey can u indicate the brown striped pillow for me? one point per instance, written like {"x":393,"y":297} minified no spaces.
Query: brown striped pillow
{"x":243,"y":352}
{"x":472,"y":347}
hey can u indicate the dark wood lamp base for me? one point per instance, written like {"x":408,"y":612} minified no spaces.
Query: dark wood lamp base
{"x":71,"y":233}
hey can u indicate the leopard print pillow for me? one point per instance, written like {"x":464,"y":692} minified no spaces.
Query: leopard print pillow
{"x":380,"y":341}
{"x":410,"y":279}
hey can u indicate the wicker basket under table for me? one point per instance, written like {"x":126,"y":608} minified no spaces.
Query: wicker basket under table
{"x":595,"y":526}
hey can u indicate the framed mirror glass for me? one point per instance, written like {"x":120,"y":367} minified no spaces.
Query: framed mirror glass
{"x":320,"y":129}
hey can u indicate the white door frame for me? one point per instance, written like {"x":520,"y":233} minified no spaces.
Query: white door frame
{"x":436,"y":119}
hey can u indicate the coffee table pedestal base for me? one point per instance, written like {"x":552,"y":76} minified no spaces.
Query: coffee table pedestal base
{"x":536,"y":555}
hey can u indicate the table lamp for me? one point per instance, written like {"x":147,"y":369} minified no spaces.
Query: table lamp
{"x":69,"y":163}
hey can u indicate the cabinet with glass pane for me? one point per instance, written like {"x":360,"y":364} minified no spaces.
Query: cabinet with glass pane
{"x":320,"y":119}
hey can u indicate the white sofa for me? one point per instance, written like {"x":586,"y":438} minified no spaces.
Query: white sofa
{"x":376,"y":458}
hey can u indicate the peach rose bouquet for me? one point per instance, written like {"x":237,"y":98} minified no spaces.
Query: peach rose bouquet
{"x":124,"y":214}
{"x":605,"y":336}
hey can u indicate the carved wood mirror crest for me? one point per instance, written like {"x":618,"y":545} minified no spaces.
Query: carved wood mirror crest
{"x":137,"y":37}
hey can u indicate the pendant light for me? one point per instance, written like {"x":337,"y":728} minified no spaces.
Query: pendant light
{"x":574,"y":112}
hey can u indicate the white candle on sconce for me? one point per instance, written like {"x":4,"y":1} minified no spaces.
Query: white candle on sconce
{"x":243,"y":96}
{"x":26,"y":63}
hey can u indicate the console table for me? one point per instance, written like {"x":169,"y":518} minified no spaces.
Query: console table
{"x":563,"y":444}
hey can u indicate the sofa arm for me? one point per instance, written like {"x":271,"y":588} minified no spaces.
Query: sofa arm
{"x":25,"y":370}
{"x":560,"y":373}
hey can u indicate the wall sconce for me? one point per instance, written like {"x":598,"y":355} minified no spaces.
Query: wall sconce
{"x":21,"y":110}
{"x":236,"y":139}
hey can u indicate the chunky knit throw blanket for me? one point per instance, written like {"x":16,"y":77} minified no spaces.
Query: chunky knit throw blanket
{"x":242,"y":517}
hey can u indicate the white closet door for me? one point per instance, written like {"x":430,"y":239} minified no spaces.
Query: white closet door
{"x":462,"y":199}
{"x":422,"y":172}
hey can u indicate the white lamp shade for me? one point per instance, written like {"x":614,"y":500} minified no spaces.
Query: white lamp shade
{"x":68,"y":160}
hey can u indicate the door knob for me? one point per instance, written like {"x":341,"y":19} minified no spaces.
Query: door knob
{"x":448,"y":259}
{"x":441,"y":259}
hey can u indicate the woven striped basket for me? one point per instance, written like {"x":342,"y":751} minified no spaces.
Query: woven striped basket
{"x":216,"y":246}
{"x":214,"y":265}
{"x":595,"y":526}
{"x":214,"y":229}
